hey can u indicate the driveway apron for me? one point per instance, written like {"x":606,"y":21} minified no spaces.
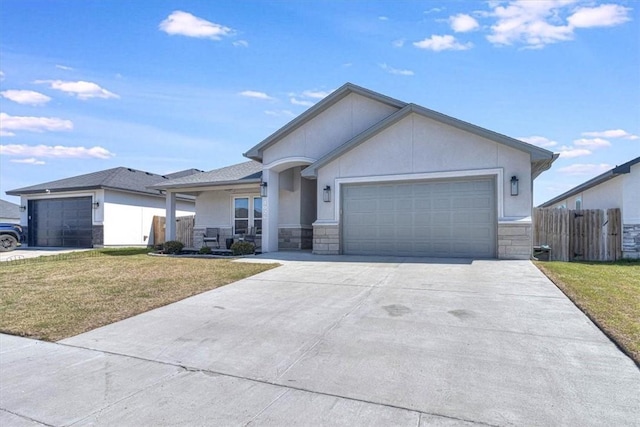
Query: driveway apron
{"x":337,"y":341}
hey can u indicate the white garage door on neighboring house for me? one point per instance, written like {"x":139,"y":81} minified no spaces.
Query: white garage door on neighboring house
{"x":439,"y":218}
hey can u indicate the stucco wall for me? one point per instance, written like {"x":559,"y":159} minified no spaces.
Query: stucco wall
{"x":329,"y":129}
{"x":214,"y":209}
{"x":416,"y":145}
{"x":618,"y":192}
{"x":127,"y":217}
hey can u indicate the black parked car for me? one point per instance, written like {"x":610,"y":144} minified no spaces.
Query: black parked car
{"x":10,"y":236}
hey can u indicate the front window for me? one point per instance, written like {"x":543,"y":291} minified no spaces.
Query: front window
{"x":247,"y":215}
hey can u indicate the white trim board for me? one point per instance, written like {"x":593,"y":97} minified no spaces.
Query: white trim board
{"x":498,"y":173}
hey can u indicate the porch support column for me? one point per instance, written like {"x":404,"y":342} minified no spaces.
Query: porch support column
{"x":270,"y":211}
{"x":170,"y":217}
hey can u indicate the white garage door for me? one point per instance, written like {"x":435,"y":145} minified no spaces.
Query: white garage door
{"x":452,"y":218}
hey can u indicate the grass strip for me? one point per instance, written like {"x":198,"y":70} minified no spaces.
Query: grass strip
{"x":55,"y":297}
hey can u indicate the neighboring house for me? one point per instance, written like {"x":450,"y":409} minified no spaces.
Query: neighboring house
{"x":362,"y":173}
{"x":9,"y":212}
{"x":113,"y":207}
{"x":616,"y":188}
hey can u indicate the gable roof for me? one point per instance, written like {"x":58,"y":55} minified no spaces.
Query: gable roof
{"x":120,"y":178}
{"x":180,"y":174}
{"x":540,"y":158}
{"x":241,"y":173}
{"x":608,"y":175}
{"x":9,"y":210}
{"x":255,"y":153}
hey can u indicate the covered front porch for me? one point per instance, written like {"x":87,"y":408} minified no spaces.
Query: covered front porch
{"x":275,"y":206}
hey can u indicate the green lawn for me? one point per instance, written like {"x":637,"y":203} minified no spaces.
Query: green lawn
{"x":608,"y":292}
{"x":52,"y":298}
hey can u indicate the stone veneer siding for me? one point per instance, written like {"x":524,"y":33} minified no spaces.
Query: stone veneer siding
{"x":295,"y":238}
{"x":326,"y":239}
{"x":98,"y":236}
{"x":514,"y":241}
{"x":631,"y":241}
{"x":198,"y":237}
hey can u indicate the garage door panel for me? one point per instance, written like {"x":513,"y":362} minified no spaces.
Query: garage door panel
{"x":454,"y":218}
{"x":64,"y":222}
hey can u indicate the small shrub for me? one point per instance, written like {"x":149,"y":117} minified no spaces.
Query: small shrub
{"x":205,"y":250}
{"x":173,"y":247}
{"x":243,"y":248}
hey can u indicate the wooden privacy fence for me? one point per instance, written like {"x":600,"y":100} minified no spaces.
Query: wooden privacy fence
{"x":184,"y":230}
{"x":579,"y":235}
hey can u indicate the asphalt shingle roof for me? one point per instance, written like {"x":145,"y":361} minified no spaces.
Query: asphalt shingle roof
{"x":9,"y":210}
{"x":250,"y":171}
{"x":119,"y":178}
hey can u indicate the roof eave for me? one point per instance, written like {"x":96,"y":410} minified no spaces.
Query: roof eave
{"x":206,"y":184}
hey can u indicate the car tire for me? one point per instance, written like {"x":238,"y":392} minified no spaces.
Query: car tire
{"x":7,"y":243}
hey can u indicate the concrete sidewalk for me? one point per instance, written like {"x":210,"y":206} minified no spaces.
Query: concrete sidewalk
{"x":317,"y":342}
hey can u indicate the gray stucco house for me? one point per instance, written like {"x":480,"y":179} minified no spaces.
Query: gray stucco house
{"x":363,"y":173}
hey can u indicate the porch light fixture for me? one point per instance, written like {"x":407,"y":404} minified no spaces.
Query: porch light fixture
{"x":263,"y":189}
{"x":326,"y":194}
{"x":514,"y":185}
{"x":95,"y":205}
{"x":23,"y":208}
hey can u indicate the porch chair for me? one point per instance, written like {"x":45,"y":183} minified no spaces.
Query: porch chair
{"x":212,"y":235}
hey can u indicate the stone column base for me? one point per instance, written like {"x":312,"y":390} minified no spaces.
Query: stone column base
{"x":514,"y":240}
{"x":326,"y":239}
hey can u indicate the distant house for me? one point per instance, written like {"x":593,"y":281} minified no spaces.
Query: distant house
{"x":616,"y":188}
{"x":363,"y":173}
{"x":112,"y":207}
{"x":9,"y":212}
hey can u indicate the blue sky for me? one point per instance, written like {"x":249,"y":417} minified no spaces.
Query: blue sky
{"x":163,"y":86}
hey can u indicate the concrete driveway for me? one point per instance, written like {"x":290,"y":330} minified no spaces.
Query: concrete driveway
{"x":336,"y":341}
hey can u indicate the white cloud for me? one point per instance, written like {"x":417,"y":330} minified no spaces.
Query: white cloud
{"x":398,"y":43}
{"x":302,"y":102}
{"x":592,"y":142}
{"x":255,"y":94}
{"x":1,"y":75}
{"x":241,"y":43}
{"x":315,"y":94}
{"x":280,"y":113}
{"x":585,"y":169}
{"x":383,"y":18}
{"x":612,"y":133}
{"x":26,"y":97}
{"x":571,"y":152}
{"x":539,"y":141}
{"x":64,"y":67}
{"x":57,"y":151}
{"x":434,"y":10}
{"x":440,"y":43}
{"x":462,"y":23}
{"x":605,"y":15}
{"x":29,"y":161}
{"x":10,"y":124}
{"x":185,"y":24}
{"x":396,"y":71}
{"x":542,"y":22}
{"x":81,"y":89}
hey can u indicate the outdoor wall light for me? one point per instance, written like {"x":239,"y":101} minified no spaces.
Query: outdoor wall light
{"x":326,"y":194}
{"x":263,"y":189}
{"x":95,"y":205}
{"x":514,"y":185}
{"x":23,"y":208}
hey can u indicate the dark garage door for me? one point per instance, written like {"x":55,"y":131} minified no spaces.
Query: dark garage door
{"x":61,"y":222}
{"x":452,"y":218}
